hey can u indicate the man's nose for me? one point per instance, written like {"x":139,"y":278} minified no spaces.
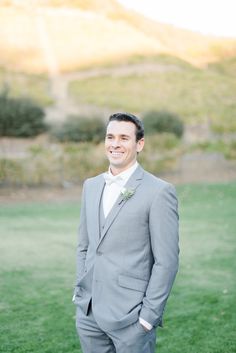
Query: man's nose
{"x":116,"y":143}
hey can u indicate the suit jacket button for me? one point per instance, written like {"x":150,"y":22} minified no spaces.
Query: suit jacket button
{"x":99,"y":253}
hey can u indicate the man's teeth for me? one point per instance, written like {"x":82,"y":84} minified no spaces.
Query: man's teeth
{"x":116,"y":153}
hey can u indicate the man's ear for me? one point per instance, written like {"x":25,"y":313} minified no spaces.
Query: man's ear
{"x":140,"y":145}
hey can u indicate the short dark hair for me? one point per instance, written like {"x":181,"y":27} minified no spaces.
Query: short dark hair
{"x":132,"y":119}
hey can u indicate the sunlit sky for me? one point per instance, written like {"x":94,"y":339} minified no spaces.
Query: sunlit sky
{"x":217,"y":17}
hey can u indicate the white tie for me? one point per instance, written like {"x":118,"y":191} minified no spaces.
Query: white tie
{"x":110,"y":179}
{"x":111,"y":191}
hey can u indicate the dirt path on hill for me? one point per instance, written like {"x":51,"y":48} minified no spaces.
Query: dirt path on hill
{"x":65,"y":105}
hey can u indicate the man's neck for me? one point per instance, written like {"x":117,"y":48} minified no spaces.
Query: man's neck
{"x":115,"y":171}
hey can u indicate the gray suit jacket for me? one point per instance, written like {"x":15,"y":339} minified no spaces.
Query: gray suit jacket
{"x":128,"y":268}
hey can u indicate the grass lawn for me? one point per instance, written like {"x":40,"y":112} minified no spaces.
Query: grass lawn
{"x":37,"y":268}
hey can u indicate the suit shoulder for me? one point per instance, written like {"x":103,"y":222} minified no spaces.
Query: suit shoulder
{"x":155,"y":188}
{"x":94,"y":180}
{"x":154,"y":185}
{"x":156,"y":182}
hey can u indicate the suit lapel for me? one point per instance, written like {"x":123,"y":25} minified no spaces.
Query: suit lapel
{"x":133,"y":183}
{"x":96,"y":207}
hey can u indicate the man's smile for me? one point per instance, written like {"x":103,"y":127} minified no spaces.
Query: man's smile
{"x":116,"y":154}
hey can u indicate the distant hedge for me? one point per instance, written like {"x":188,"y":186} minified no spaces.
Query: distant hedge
{"x":80,"y":129}
{"x":20,"y":117}
{"x":162,"y":121}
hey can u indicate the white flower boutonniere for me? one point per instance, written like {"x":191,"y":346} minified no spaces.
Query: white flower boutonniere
{"x":127,"y":194}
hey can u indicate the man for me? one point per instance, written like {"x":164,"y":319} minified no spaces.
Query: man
{"x":127,"y":255}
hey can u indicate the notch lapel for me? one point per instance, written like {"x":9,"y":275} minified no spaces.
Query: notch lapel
{"x":96,"y":205}
{"x":133,"y":183}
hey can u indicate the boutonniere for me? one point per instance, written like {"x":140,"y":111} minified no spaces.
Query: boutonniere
{"x":127,"y":194}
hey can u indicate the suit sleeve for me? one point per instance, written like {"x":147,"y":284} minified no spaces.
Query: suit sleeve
{"x":82,"y":239}
{"x":163,"y":227}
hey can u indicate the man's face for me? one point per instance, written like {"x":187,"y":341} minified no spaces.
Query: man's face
{"x":121,"y":146}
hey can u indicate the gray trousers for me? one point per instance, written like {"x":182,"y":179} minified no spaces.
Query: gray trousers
{"x":130,"y":339}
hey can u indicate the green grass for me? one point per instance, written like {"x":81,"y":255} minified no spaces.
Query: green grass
{"x":200,"y":315}
{"x":37,"y":268}
{"x":37,"y":274}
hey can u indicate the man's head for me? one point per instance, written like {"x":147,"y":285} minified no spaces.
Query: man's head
{"x":124,"y":140}
{"x":139,"y":132}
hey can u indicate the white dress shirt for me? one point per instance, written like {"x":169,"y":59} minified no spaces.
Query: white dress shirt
{"x":114,"y":187}
{"x":112,"y":190}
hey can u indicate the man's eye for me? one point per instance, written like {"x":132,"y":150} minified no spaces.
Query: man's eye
{"x":109,"y":137}
{"x":124,"y":138}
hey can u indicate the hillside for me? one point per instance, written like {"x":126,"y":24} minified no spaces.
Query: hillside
{"x":60,"y":36}
{"x":65,"y":55}
{"x":163,"y":83}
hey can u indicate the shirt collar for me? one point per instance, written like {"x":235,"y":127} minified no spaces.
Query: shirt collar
{"x":126,"y":174}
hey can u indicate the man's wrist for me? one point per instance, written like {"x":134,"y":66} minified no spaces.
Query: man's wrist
{"x":145,"y":324}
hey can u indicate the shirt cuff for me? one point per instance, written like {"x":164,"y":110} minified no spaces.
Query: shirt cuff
{"x":145,"y":324}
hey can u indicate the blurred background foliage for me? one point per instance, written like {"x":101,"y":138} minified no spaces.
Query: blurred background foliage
{"x":20,"y":117}
{"x":80,"y":129}
{"x":63,"y":83}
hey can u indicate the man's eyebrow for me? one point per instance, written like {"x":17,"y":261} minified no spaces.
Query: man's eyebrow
{"x":122,"y":135}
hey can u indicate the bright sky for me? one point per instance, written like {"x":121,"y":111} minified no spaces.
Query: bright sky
{"x":217,"y":17}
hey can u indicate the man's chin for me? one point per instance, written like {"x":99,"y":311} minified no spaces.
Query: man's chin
{"x":115,"y":162}
{"x":116,"y":165}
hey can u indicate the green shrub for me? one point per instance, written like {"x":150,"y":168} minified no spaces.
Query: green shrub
{"x":20,"y":117}
{"x":80,"y":129}
{"x":162,"y":121}
{"x":55,"y":165}
{"x":11,"y":172}
{"x":161,"y":142}
{"x":227,"y":148}
{"x":160,"y":153}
